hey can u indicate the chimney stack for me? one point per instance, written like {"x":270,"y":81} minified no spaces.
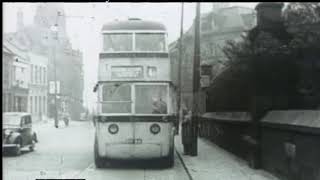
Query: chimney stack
{"x":20,"y":23}
{"x":269,"y":15}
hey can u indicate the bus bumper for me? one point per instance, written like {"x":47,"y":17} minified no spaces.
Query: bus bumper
{"x":134,"y":151}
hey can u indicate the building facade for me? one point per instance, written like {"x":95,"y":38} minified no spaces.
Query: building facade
{"x":63,"y":61}
{"x":38,"y":86}
{"x":220,"y":25}
{"x":16,"y":77}
{"x":69,"y":74}
{"x":7,"y":74}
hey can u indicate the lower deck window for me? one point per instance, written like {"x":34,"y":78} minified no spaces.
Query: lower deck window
{"x":151,"y":99}
{"x":116,"y":98}
{"x":148,"y":98}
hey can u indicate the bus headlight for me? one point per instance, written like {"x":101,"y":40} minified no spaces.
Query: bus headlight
{"x":113,"y":129}
{"x":154,"y":128}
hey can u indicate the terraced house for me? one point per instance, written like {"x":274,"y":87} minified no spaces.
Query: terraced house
{"x":15,"y":77}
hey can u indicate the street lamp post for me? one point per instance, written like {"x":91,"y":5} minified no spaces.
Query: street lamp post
{"x":54,"y":29}
{"x":179,"y":67}
{"x":60,"y":14}
{"x":196,"y":85}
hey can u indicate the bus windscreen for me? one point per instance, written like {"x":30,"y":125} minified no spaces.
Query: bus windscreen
{"x":151,"y":99}
{"x":116,"y":98}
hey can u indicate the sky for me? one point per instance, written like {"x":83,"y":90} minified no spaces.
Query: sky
{"x":83,"y":30}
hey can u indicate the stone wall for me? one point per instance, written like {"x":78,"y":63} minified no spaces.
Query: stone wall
{"x":304,"y":165}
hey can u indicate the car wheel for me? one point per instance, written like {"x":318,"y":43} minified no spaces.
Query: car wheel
{"x":35,"y":138}
{"x":31,"y":147}
{"x":98,"y":161}
{"x":17,"y":149}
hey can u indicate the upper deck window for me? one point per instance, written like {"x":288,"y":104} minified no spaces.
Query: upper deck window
{"x":154,"y":42}
{"x":117,"y":42}
{"x":116,"y":98}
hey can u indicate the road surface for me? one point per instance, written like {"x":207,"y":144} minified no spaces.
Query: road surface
{"x":67,"y":152}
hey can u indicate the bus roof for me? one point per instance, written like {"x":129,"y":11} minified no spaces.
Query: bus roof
{"x":133,"y":24}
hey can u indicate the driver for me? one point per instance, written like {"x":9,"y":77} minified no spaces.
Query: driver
{"x":158,"y":106}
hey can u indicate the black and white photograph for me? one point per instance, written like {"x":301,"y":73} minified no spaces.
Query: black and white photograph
{"x":161,"y":90}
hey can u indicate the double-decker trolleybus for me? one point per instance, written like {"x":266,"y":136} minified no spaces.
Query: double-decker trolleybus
{"x":136,"y":100}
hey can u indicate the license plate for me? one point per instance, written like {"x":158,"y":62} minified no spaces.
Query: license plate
{"x":134,"y":141}
{"x":129,"y":141}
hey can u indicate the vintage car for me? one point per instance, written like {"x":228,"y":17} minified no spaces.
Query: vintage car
{"x":17,"y":133}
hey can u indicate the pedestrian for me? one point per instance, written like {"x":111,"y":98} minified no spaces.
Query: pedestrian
{"x":186,"y":131}
{"x":40,"y":116}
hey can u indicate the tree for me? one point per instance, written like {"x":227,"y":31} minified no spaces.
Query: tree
{"x":303,"y":22}
{"x":272,"y":58}
{"x":302,"y":13}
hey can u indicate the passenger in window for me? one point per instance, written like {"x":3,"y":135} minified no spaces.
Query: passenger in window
{"x":159,"y":106}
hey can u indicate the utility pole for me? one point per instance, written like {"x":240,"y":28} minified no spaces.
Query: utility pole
{"x":196,"y":84}
{"x":179,"y":66}
{"x":55,"y":88}
{"x":56,"y":121}
{"x":55,"y":39}
{"x":70,"y":17}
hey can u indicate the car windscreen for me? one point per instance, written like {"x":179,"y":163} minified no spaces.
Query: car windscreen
{"x":153,"y":42}
{"x":11,"y":119}
{"x":116,"y":98}
{"x":151,"y":99}
{"x":113,"y":42}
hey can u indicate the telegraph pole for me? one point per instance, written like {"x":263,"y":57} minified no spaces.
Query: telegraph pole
{"x":79,"y":18}
{"x":55,"y":39}
{"x":179,"y":66}
{"x":196,"y":84}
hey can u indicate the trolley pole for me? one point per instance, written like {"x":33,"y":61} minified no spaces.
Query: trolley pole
{"x":196,"y":84}
{"x":179,"y":66}
{"x":56,"y":121}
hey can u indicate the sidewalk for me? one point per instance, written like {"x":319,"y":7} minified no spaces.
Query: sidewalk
{"x":214,"y":163}
{"x":43,"y":124}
